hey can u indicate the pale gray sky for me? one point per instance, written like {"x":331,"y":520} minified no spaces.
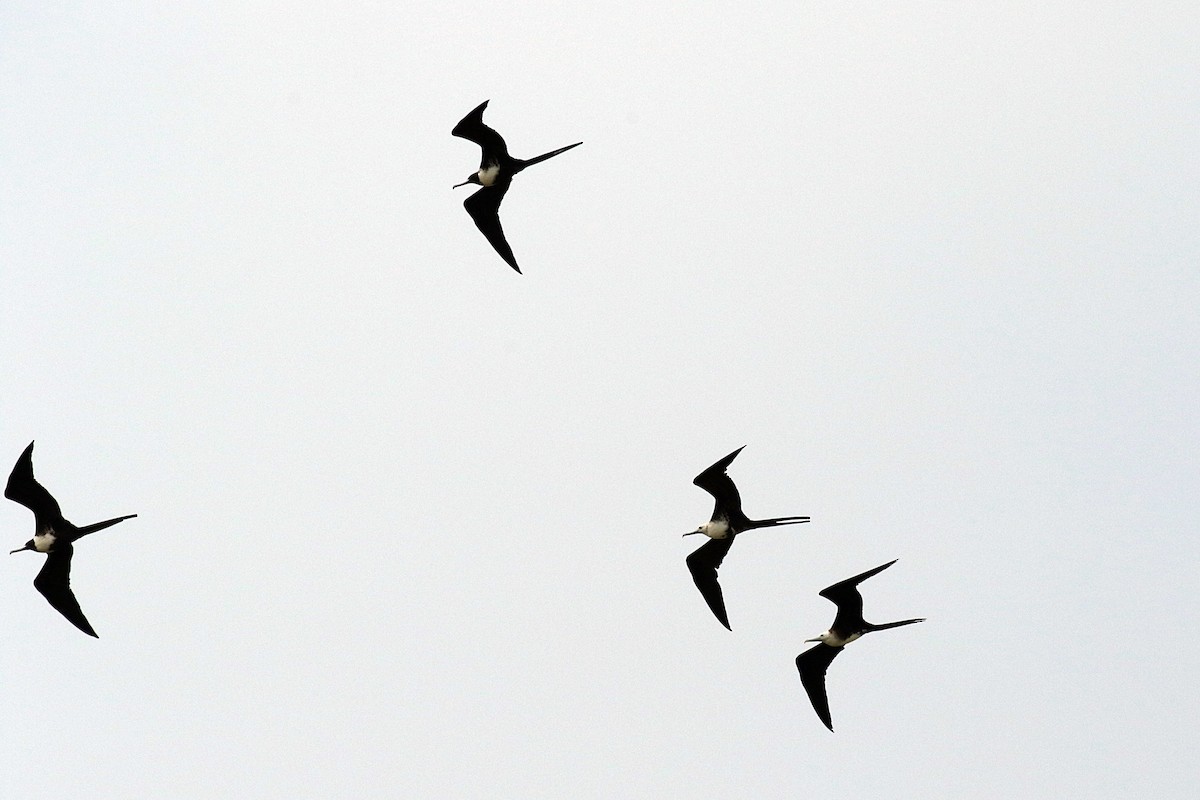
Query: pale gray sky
{"x":409,"y":523}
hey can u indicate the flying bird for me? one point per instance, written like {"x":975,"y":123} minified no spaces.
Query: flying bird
{"x":496,"y":171}
{"x":54,"y":536}
{"x":847,"y":626}
{"x":727,"y":521}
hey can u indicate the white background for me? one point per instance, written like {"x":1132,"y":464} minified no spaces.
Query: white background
{"x":409,"y":523}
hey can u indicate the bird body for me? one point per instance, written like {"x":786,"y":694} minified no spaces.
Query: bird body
{"x":727,"y":521}
{"x":43,"y":541}
{"x":54,"y":536}
{"x":848,"y":626}
{"x":488,"y":174}
{"x":715,"y":529}
{"x":495,"y":174}
{"x":835,"y":640}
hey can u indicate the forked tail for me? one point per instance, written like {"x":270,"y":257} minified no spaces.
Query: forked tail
{"x":767,"y":523}
{"x":538,"y":159}
{"x":99,"y":526}
{"x":887,"y":625}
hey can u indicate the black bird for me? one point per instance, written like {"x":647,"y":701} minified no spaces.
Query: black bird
{"x":727,"y":521}
{"x":847,"y":626}
{"x":496,"y":171}
{"x":54,"y":536}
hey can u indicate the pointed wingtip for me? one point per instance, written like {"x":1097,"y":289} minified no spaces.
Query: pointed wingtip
{"x":715,"y":480}
{"x":724,"y":462}
{"x":703,"y":564}
{"x":873,"y":572}
{"x":723,"y":617}
{"x":473,"y":117}
{"x":22,"y":472}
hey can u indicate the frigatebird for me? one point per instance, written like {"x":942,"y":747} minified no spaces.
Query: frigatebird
{"x":847,"y":626}
{"x":54,"y":536}
{"x":495,"y":174}
{"x":727,"y":521}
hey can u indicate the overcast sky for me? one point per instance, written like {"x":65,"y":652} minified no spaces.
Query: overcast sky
{"x":409,"y":523}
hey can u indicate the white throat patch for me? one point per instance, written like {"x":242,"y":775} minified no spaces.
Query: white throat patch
{"x":715,"y":529}
{"x":42,"y":542}
{"x":833,"y":640}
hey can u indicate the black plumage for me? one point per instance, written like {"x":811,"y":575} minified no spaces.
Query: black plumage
{"x":848,"y":625}
{"x":53,"y":535}
{"x":727,"y":521}
{"x":496,"y":171}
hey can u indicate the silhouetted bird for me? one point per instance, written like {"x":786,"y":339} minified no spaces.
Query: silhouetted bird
{"x":54,"y":536}
{"x":727,"y":521}
{"x":496,"y":171}
{"x":847,"y":626}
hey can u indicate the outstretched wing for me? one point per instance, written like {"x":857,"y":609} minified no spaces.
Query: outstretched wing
{"x":54,"y":582}
{"x":472,"y":129}
{"x":716,"y":482}
{"x":813,"y":664}
{"x":23,"y":488}
{"x":846,"y":596}
{"x":484,"y":208}
{"x":703,"y":564}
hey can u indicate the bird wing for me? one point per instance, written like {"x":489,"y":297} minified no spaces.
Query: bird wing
{"x":716,"y":482}
{"x":813,"y":664}
{"x":23,"y":488}
{"x":703,"y":565}
{"x":846,"y":595}
{"x":54,"y":582}
{"x":484,"y":208}
{"x":472,"y":129}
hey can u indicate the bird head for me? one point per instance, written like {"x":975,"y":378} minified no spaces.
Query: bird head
{"x":714,"y":529}
{"x":28,"y":546}
{"x":472,"y":178}
{"x":823,"y":637}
